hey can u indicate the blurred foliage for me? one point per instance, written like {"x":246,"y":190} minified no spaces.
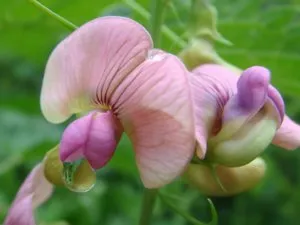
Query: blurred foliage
{"x":264,"y":32}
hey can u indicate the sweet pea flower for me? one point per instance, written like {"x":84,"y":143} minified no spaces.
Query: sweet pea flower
{"x":108,"y":73}
{"x":237,"y":117}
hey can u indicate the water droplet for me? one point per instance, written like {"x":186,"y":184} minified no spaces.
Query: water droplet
{"x":79,"y":176}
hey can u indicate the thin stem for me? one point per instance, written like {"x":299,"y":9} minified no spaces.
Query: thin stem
{"x":156,"y":20}
{"x":186,"y":215}
{"x":147,"y":206}
{"x":164,"y":29}
{"x":213,"y":169}
{"x":177,"y":210}
{"x":138,"y":8}
{"x":176,"y":14}
{"x":54,"y":15}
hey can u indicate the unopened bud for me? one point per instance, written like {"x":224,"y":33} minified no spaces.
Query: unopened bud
{"x":233,"y":179}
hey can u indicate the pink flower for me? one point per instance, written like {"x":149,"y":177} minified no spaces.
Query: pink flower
{"x":34,"y":191}
{"x":237,"y":117}
{"x":108,"y":72}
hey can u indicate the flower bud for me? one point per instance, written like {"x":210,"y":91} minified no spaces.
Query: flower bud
{"x":198,"y":52}
{"x":233,"y":179}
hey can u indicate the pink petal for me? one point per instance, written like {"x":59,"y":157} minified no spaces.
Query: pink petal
{"x":288,"y":135}
{"x":34,"y":191}
{"x":154,"y":106}
{"x":212,"y":86}
{"x":277,"y":101}
{"x":85,"y":69}
{"x":94,"y":136}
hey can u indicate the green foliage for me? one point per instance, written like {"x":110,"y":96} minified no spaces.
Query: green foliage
{"x":263,"y":32}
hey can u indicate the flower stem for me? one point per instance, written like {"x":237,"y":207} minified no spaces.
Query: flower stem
{"x":192,"y":220}
{"x":54,"y":15}
{"x":165,"y":30}
{"x":147,"y":206}
{"x":156,"y":20}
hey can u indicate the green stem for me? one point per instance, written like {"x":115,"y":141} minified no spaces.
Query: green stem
{"x":186,"y":215}
{"x":213,"y":169}
{"x":171,"y":35}
{"x":54,"y":15}
{"x":156,"y":20}
{"x":147,"y":206}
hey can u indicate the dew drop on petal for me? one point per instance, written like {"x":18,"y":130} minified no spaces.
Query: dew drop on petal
{"x":79,"y":176}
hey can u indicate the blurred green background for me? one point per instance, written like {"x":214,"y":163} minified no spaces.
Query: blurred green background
{"x":264,"y":32}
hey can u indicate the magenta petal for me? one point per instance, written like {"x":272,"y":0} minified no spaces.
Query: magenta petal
{"x":104,"y":136}
{"x":94,"y":136}
{"x":34,"y":191}
{"x":288,"y":135}
{"x":73,"y":139}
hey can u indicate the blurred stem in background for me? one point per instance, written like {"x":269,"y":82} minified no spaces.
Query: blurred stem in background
{"x":54,"y":15}
{"x":147,"y":206}
{"x":192,"y":220}
{"x":164,"y":29}
{"x":156,"y":22}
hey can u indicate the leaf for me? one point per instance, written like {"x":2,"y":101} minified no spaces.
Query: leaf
{"x":273,"y":42}
{"x":20,"y":134}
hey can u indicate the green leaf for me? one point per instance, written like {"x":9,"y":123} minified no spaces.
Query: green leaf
{"x":272,"y":42}
{"x":20,"y":132}
{"x":23,"y":136}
